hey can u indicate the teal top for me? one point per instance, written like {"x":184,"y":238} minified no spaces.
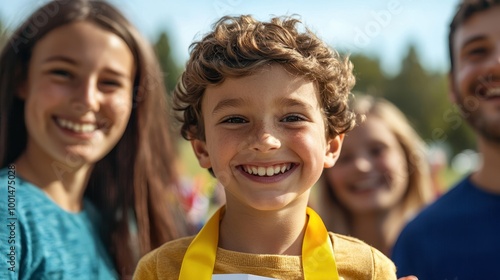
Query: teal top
{"x":40,"y":240}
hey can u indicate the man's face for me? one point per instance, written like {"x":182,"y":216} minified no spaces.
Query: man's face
{"x":475,"y":80}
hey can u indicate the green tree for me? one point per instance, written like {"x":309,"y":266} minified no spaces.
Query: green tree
{"x":410,"y":90}
{"x":171,"y":71}
{"x":370,"y":79}
{"x":420,"y":94}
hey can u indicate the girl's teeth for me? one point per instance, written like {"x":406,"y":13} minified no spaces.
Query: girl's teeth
{"x":76,"y":127}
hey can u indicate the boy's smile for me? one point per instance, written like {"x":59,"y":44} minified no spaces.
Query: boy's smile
{"x":265,"y":137}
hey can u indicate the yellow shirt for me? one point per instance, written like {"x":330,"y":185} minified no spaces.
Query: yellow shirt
{"x":355,"y":261}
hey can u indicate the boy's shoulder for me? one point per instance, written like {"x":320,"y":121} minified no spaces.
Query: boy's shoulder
{"x":357,"y":260}
{"x":164,"y":261}
{"x":173,"y":248}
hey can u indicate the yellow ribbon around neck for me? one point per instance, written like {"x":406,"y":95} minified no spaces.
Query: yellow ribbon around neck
{"x":318,"y":261}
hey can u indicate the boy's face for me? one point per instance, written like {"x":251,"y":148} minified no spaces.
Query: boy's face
{"x":265,"y":138}
{"x":475,"y":82}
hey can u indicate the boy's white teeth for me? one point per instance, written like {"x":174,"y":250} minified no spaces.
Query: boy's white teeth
{"x":262,"y":171}
{"x":76,"y":127}
{"x":267,"y":171}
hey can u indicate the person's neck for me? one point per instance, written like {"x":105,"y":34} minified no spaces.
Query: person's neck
{"x":263,"y":232}
{"x":377,"y":229}
{"x":487,"y":176}
{"x":64,"y":184}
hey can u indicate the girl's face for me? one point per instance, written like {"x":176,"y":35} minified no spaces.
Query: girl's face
{"x":78,"y":95}
{"x":372,"y":172}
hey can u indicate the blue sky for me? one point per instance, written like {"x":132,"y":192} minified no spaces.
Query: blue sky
{"x":383,"y":28}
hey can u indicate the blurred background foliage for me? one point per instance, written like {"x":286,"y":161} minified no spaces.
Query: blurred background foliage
{"x":421,"y":94}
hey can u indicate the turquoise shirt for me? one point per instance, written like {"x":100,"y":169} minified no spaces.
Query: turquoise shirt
{"x":39,"y":240}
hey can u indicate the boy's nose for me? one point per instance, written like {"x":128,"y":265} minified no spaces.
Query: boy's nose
{"x":265,"y":140}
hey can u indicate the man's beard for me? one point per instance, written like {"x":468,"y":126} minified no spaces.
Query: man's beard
{"x":487,"y":127}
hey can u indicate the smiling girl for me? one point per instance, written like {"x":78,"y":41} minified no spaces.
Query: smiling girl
{"x":381,"y":179}
{"x":84,"y":146}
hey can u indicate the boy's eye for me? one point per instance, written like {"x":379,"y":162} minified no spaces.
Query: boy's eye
{"x":234,"y":120}
{"x":293,"y":118}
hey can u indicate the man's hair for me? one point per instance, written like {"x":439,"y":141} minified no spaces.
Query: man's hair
{"x":241,"y":46}
{"x":465,"y":10}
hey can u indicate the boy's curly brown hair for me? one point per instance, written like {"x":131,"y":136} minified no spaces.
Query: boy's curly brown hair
{"x":240,"y":46}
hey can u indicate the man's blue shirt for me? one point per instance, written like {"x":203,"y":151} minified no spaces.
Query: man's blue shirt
{"x":455,"y":238}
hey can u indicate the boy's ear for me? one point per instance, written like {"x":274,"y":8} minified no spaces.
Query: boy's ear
{"x":200,"y":150}
{"x":333,"y":148}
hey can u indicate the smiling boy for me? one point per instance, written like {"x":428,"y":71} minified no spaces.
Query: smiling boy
{"x":264,"y":105}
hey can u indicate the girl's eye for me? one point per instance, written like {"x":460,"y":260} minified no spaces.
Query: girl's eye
{"x":293,"y":118}
{"x":111,"y":83}
{"x":234,"y":120}
{"x":61,"y":73}
{"x":377,"y":151}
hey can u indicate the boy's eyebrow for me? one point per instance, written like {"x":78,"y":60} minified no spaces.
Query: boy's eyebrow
{"x":283,"y":102}
{"x":228,"y":103}
{"x":293,"y":102}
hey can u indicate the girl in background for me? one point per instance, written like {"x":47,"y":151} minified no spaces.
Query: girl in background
{"x":86,"y":157}
{"x":381,"y":179}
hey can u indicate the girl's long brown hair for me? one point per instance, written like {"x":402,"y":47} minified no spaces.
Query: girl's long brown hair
{"x":134,"y":186}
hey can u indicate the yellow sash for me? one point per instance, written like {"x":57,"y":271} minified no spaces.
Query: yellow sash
{"x":317,"y":253}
